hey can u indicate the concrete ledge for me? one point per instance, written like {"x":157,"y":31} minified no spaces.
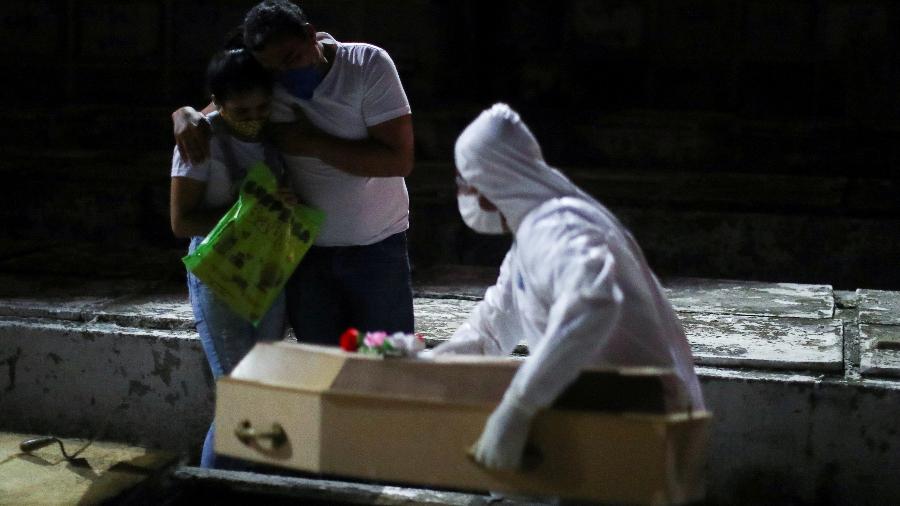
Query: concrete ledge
{"x":128,"y":367}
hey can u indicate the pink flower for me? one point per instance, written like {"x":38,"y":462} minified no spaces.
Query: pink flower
{"x":374,"y":339}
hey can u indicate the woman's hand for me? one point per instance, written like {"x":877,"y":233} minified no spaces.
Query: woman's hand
{"x":192,"y":133}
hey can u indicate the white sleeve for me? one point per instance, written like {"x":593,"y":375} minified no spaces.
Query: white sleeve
{"x":383,"y":96}
{"x":181,"y":168}
{"x":487,"y":325}
{"x":586,"y":305}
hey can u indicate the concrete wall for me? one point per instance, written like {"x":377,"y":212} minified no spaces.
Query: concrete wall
{"x":98,"y":380}
{"x":97,"y":361}
{"x":800,"y":439}
{"x":776,"y":439}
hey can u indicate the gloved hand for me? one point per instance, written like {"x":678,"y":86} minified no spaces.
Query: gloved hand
{"x":458,"y":347}
{"x":502,"y":441}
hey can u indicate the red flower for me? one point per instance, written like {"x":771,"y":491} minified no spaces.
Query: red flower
{"x":350,"y":339}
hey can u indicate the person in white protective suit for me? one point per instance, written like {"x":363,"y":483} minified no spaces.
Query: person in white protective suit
{"x":574,"y":284}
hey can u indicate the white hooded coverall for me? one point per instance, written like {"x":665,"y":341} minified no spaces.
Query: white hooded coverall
{"x":574,"y":284}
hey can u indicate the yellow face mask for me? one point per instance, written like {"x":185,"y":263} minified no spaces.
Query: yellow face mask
{"x":247,"y":128}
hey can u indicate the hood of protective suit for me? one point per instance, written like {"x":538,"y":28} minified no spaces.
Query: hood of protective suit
{"x":498,"y":155}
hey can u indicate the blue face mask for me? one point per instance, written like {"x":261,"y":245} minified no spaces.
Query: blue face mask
{"x":301,"y":82}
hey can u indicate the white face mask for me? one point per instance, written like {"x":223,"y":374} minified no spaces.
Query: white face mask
{"x":478,"y":219}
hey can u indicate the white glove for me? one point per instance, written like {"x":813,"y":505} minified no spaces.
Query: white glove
{"x":459,"y":347}
{"x":502,"y":442}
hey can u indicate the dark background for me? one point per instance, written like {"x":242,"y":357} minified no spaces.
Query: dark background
{"x":744,"y":139}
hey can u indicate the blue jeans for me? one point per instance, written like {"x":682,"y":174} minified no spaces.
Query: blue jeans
{"x":366,"y":287}
{"x":226,"y":337}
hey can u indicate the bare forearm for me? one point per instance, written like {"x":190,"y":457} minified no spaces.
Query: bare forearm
{"x":387,"y":151}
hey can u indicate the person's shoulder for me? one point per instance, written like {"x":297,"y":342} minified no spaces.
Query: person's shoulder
{"x":559,"y":219}
{"x":363,"y":54}
{"x":559,"y":211}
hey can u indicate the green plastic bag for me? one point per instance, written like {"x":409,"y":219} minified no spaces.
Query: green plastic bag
{"x":250,"y":254}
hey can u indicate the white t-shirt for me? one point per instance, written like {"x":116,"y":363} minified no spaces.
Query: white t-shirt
{"x":220,"y":189}
{"x":362,"y":89}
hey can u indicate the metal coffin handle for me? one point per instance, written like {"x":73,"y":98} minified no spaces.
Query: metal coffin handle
{"x":252,"y":437}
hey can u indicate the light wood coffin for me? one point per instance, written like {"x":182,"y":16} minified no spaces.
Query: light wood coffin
{"x":610,"y":437}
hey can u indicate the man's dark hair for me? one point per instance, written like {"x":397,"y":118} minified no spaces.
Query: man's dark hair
{"x":271,"y":19}
{"x":236,"y":71}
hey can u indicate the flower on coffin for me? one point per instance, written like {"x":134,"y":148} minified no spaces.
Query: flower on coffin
{"x":350,"y":340}
{"x":375,"y":339}
{"x":381,"y":343}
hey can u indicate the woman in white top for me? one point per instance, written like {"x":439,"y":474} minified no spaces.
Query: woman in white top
{"x":202,"y":192}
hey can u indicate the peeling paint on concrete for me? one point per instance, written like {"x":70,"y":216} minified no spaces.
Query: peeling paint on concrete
{"x":846,"y":299}
{"x":155,"y":311}
{"x":439,"y":318}
{"x":60,"y":298}
{"x":879,"y":307}
{"x":788,"y":300}
{"x":53,"y":397}
{"x":873,"y":359}
{"x":11,"y":364}
{"x":164,"y":365}
{"x":716,"y":339}
{"x":765,"y":342}
{"x":138,"y":388}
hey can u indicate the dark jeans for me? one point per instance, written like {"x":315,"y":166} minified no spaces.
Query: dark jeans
{"x":366,"y":287}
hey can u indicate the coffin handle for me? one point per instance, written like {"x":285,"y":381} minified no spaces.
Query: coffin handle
{"x":251,"y":436}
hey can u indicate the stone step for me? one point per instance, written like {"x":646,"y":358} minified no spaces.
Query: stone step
{"x":726,"y":340}
{"x":879,"y":350}
{"x":755,"y":325}
{"x":879,"y":306}
{"x":754,"y":342}
{"x":788,"y":300}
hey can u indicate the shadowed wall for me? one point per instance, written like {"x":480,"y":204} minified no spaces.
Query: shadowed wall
{"x":745,"y":139}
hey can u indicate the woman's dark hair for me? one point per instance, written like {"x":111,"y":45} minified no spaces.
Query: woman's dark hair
{"x":272,"y":19}
{"x":236,"y":71}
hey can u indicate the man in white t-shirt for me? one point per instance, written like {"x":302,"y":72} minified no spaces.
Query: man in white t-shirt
{"x":348,"y":143}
